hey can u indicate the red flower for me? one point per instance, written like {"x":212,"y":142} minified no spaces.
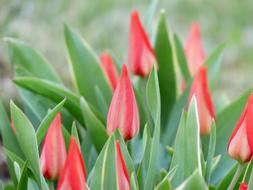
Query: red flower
{"x":240,"y":145}
{"x":122,"y":173}
{"x":194,"y":50}
{"x":123,"y":112}
{"x":141,"y":56}
{"x":243,"y":186}
{"x":204,"y":102}
{"x":109,"y":69}
{"x":73,"y":176}
{"x":53,"y":152}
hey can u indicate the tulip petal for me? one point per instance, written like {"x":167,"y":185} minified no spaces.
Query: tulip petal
{"x":122,"y":173}
{"x":53,"y":153}
{"x":73,"y":176}
{"x":141,"y":55}
{"x":123,"y":112}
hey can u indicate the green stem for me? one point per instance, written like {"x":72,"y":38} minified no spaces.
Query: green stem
{"x":236,"y":176}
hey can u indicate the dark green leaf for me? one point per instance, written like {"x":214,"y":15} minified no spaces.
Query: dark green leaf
{"x":166,"y":72}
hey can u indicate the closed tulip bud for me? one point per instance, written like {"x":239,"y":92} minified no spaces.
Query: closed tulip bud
{"x":73,"y":176}
{"x":240,"y":145}
{"x":243,"y":186}
{"x":141,"y":56}
{"x":53,"y":152}
{"x":204,"y":102}
{"x":123,"y":112}
{"x":109,"y":69}
{"x":194,"y":50}
{"x":122,"y":173}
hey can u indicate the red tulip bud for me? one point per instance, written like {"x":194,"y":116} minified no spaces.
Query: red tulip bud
{"x":194,"y":50}
{"x":73,"y":176}
{"x":141,"y":56}
{"x":123,"y":112}
{"x":53,"y":153}
{"x":109,"y":69}
{"x":240,"y":145}
{"x":122,"y":173}
{"x":243,"y":186}
{"x":204,"y":102}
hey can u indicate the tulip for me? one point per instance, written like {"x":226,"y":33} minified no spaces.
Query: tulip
{"x":53,"y":152}
{"x":122,"y":173}
{"x":123,"y":111}
{"x":194,"y":50}
{"x":243,"y":186}
{"x":109,"y":69}
{"x":204,"y":102}
{"x":240,"y":145}
{"x":73,"y":176}
{"x":141,"y":56}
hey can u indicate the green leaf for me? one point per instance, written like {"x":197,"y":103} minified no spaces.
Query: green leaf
{"x":165,"y":184}
{"x":74,"y":133}
{"x":27,"y":140}
{"x":86,"y":69}
{"x":187,"y":152}
{"x":149,"y":15}
{"x":13,"y":157}
{"x":211,"y":150}
{"x":195,"y":181}
{"x":44,"y":125}
{"x":153,"y":100}
{"x":250,"y":184}
{"x":104,"y":175}
{"x":213,"y":62}
{"x":54,"y":92}
{"x":103,"y":106}
{"x":22,"y":184}
{"x":181,"y":59}
{"x":166,"y":72}
{"x":225,"y":122}
{"x":31,"y":60}
{"x":95,"y":127}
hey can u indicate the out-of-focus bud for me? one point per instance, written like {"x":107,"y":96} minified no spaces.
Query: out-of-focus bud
{"x":109,"y":69}
{"x":141,"y":56}
{"x":123,"y":112}
{"x":240,"y":145}
{"x":204,"y":102}
{"x":243,"y":186}
{"x":194,"y":50}
{"x":53,"y":152}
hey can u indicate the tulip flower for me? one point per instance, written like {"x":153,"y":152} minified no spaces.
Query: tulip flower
{"x":240,"y":145}
{"x":243,"y":186}
{"x":204,"y":102}
{"x":73,"y":176}
{"x":122,"y":173}
{"x":53,"y":152}
{"x":194,"y":50}
{"x":109,"y":69}
{"x":141,"y":56}
{"x":123,"y":111}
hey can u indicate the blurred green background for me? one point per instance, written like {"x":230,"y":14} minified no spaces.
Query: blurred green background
{"x":104,"y":24}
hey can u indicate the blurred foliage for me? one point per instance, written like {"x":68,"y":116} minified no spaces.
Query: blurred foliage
{"x":104,"y":24}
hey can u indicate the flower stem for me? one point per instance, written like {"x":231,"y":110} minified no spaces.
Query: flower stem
{"x":238,"y":172}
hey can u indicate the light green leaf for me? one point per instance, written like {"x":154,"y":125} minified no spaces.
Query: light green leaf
{"x":25,"y":56}
{"x":166,"y":72}
{"x":44,"y":125}
{"x":195,"y":181}
{"x":74,"y":133}
{"x":211,"y":150}
{"x":153,"y":98}
{"x":22,"y":184}
{"x":187,"y":152}
{"x":95,"y":127}
{"x":27,"y":140}
{"x":85,"y":67}
{"x":149,"y":15}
